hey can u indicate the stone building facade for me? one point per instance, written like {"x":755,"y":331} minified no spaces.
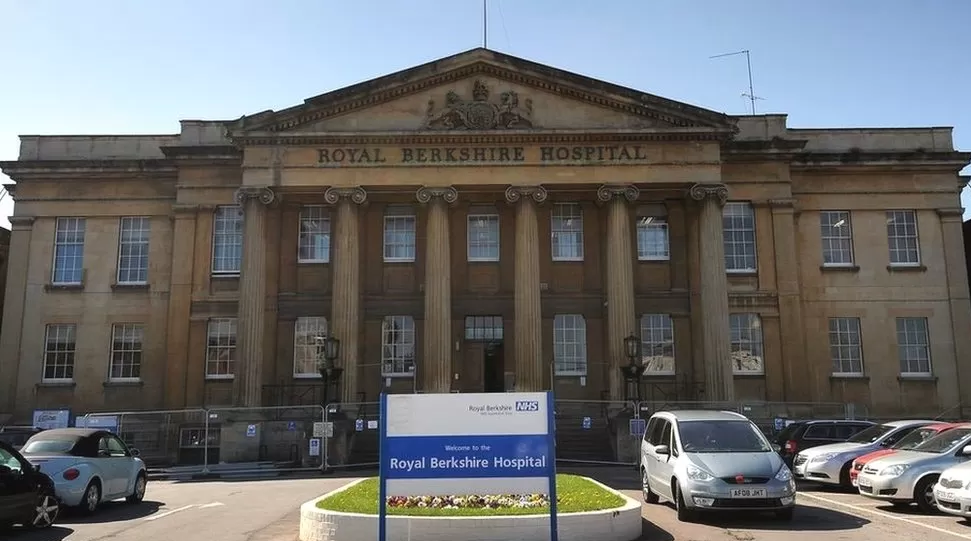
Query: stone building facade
{"x":485,"y":223}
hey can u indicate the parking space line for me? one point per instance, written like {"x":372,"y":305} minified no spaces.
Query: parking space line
{"x":882,"y":514}
{"x":176,"y":510}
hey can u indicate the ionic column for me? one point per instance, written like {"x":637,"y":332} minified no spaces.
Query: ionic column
{"x":436,"y":366}
{"x":619,"y":280}
{"x":345,"y":313}
{"x":719,"y":381}
{"x":528,"y":346}
{"x":248,"y":381}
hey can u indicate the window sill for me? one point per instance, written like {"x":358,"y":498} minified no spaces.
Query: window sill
{"x":918,"y":378}
{"x":742,"y":272}
{"x":839,"y":268}
{"x":220,"y":378}
{"x":305,"y":377}
{"x":397,"y":375}
{"x":749,"y":375}
{"x":659,"y":376}
{"x":64,"y":287}
{"x":475,"y":261}
{"x":654,"y":260}
{"x":906,"y":268}
{"x":849,"y":377}
{"x":56,"y":384}
{"x":123,"y":383}
{"x":567,"y":260}
{"x":130,"y":286}
{"x":313,"y":262}
{"x":226,"y":276}
{"x":399,"y":261}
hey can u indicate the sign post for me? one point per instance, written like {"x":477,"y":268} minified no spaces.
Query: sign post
{"x":466,"y":444}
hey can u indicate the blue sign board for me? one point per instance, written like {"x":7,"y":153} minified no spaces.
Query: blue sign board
{"x":291,"y":426}
{"x":780,"y":423}
{"x":637,"y":427}
{"x":250,"y":431}
{"x":586,"y":423}
{"x":359,"y":425}
{"x":442,"y":444}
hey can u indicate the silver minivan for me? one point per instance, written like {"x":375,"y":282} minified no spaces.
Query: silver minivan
{"x":713,"y":461}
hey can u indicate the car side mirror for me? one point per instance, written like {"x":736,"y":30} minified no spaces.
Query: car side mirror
{"x":966,"y":451}
{"x":36,"y":468}
{"x":665,"y":450}
{"x":134,"y":452}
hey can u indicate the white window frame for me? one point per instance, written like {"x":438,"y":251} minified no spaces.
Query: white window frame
{"x":223,"y":214}
{"x":134,"y":232}
{"x":746,"y":337}
{"x":562,"y":236}
{"x":846,"y":345}
{"x":69,"y":232}
{"x":921,"y":345}
{"x":894,"y":238}
{"x":314,"y":225}
{"x":131,"y":338}
{"x":396,"y":225}
{"x":305,"y":333}
{"x":738,"y":234}
{"x":60,"y":360}
{"x":481,"y":239}
{"x":648,"y":250}
{"x":840,"y":244}
{"x":657,"y":335}
{"x":225,"y":331}
{"x":569,"y":352}
{"x":398,"y":346}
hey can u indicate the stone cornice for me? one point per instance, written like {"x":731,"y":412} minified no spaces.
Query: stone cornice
{"x":951,"y":212}
{"x":918,"y":160}
{"x":489,"y":63}
{"x":21,"y":222}
{"x":209,"y":152}
{"x":50,"y":169}
{"x":507,"y":137}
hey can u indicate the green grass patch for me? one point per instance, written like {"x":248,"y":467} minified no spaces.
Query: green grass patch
{"x":575,"y":494}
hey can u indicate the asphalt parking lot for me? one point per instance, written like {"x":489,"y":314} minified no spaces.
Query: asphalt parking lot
{"x":267,"y":510}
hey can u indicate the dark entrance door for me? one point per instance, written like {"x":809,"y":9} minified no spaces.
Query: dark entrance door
{"x":484,"y":370}
{"x":494,"y":377}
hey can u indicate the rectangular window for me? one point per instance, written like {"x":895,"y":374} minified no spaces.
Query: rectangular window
{"x":657,"y":344}
{"x":913,"y":346}
{"x":746,"y":337}
{"x":569,"y":345}
{"x":221,"y":349}
{"x":483,"y":328}
{"x":836,"y":236}
{"x":227,"y":240}
{"x":652,"y":239}
{"x":314,"y":242}
{"x":398,"y":346}
{"x":68,"y":251}
{"x":483,"y":237}
{"x":846,"y":346}
{"x":738,"y":225}
{"x":902,"y":238}
{"x":399,"y":238}
{"x":126,"y":352}
{"x":60,"y":343}
{"x":308,"y":335}
{"x":566,"y":223}
{"x":133,"y":235}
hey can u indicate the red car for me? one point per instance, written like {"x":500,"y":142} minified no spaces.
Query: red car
{"x":909,"y":441}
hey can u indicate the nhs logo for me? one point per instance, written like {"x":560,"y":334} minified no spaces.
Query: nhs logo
{"x":527,"y":405}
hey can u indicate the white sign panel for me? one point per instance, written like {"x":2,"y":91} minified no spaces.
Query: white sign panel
{"x":48,"y":419}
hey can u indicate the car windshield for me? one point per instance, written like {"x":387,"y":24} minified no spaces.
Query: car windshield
{"x":38,"y":447}
{"x":721,"y":437}
{"x":871,"y":434}
{"x":916,"y":438}
{"x":944,"y":441}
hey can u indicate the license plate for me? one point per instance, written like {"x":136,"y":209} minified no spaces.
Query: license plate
{"x":864,"y":482}
{"x":748,"y":493}
{"x":946,"y":496}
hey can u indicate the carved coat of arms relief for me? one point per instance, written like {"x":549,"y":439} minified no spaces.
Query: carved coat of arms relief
{"x":479,"y":113}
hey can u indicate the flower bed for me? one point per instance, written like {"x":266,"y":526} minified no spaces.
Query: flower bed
{"x":525,"y":501}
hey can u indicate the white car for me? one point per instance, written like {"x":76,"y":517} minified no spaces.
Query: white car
{"x":952,"y":493}
{"x":89,"y":466}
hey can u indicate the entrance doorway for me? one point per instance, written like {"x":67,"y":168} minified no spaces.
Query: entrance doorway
{"x":483,"y":368}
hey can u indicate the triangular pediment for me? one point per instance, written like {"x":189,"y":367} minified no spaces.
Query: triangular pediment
{"x":483,"y":90}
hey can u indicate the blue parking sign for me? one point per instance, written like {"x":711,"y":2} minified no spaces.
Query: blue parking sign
{"x":637,"y":427}
{"x":587,"y":422}
{"x":359,"y":425}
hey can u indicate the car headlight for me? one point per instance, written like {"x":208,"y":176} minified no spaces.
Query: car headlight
{"x":784,"y":474}
{"x":825,"y":457}
{"x":697,"y":474}
{"x":895,"y":470}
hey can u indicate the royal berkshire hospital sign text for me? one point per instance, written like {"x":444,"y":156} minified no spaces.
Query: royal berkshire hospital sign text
{"x":376,"y":156}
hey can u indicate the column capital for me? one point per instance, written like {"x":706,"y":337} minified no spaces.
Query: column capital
{"x":21,"y":222}
{"x":955,"y":213}
{"x":261,"y":193}
{"x":700,"y":192}
{"x":515,"y":193}
{"x":607,"y":192}
{"x":357,"y":195}
{"x":448,"y":194}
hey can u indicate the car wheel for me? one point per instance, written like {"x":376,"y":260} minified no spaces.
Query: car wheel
{"x":845,"y":476}
{"x":785,"y":514}
{"x":649,"y":495}
{"x":924,"y":495}
{"x":138,"y":494}
{"x":92,"y":498}
{"x":684,"y":514}
{"x":45,"y":512}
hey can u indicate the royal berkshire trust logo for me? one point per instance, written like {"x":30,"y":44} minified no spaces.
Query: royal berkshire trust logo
{"x":521,"y":406}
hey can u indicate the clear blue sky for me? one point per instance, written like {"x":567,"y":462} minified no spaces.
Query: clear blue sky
{"x":112,"y":66}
